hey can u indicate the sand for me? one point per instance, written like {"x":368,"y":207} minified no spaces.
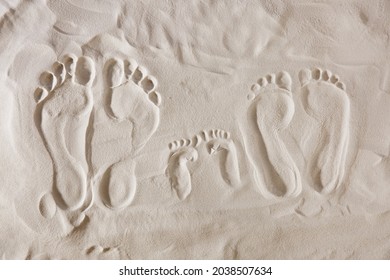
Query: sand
{"x":194,"y":129}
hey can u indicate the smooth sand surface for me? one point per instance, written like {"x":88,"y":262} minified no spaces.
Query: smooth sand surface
{"x":194,"y":129}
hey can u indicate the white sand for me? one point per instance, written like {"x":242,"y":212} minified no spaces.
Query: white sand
{"x":194,"y":129}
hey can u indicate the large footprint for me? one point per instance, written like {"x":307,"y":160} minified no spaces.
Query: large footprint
{"x":274,"y":109}
{"x":325,"y":99}
{"x":65,"y":102}
{"x":131,"y":97}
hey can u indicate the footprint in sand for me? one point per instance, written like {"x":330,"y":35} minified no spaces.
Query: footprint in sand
{"x":179,"y":175}
{"x":219,"y":141}
{"x":131,"y":97}
{"x":271,"y":111}
{"x":64,"y":104}
{"x":324,"y":98}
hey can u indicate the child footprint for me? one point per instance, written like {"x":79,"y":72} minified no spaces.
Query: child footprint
{"x":64,"y":106}
{"x":177,"y":171}
{"x":220,"y":141}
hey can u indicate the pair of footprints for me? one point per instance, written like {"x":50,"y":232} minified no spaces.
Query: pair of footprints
{"x":65,"y":102}
{"x":323,"y":98}
{"x":186,"y":150}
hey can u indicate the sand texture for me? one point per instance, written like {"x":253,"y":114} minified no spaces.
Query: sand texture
{"x":195,"y":129}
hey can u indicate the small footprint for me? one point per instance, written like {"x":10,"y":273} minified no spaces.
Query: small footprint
{"x":324,"y":98}
{"x":179,"y":175}
{"x":274,"y":109}
{"x":220,"y":141}
{"x":64,"y":106}
{"x":131,"y":97}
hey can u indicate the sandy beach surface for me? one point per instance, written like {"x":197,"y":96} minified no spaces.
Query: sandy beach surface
{"x":195,"y":129}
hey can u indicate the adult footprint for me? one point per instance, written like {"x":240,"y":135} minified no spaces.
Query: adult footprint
{"x":177,"y":171}
{"x":131,"y":97}
{"x":65,"y":102}
{"x":220,"y":141}
{"x":324,"y":98}
{"x":273,"y":107}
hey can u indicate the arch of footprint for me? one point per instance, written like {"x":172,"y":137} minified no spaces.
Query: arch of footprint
{"x":65,"y":101}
